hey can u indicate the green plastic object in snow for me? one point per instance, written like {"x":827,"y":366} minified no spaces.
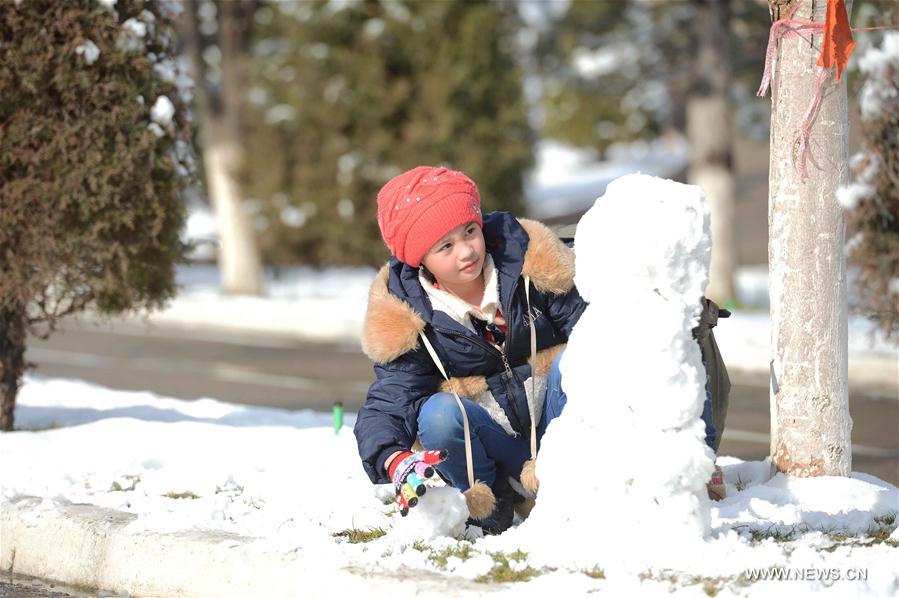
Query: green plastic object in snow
{"x":338,"y":417}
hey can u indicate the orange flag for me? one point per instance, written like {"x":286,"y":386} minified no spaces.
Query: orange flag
{"x":838,"y":43}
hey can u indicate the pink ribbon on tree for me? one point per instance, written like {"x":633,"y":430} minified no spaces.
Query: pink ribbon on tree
{"x":836,"y":48}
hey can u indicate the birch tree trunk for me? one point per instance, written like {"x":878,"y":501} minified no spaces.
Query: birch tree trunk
{"x":709,"y":129}
{"x":810,"y":423}
{"x":219,"y":117}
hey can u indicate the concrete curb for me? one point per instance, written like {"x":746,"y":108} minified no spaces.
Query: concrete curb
{"x":90,"y":547}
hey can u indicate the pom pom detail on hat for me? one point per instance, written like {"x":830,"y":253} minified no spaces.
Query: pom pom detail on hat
{"x":418,"y":207}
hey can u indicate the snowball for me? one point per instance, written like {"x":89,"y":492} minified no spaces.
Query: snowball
{"x":89,"y":50}
{"x":442,"y":511}
{"x":162,"y":111}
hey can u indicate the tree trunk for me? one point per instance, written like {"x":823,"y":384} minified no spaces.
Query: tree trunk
{"x":709,"y":129}
{"x":238,"y":255}
{"x":219,"y":118}
{"x":12,"y":361}
{"x":810,"y":423}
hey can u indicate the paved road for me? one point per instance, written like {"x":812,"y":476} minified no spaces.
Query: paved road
{"x":22,"y":590}
{"x":294,"y":375}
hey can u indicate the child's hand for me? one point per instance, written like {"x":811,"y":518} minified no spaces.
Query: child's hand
{"x":408,"y":471}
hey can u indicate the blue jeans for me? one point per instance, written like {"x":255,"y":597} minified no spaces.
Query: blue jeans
{"x":711,"y":433}
{"x":440,"y":427}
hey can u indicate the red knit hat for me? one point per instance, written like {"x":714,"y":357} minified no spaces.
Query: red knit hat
{"x":421,"y":205}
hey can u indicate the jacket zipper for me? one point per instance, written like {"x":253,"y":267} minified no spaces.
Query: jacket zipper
{"x":477,"y":340}
{"x":508,"y":376}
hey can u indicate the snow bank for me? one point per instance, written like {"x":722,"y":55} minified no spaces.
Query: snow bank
{"x":784,"y":504}
{"x":204,"y":480}
{"x":313,"y":304}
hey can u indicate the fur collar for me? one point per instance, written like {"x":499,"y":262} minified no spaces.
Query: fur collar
{"x":391,"y":326}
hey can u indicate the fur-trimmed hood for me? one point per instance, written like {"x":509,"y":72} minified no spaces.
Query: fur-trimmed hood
{"x":398,"y":308}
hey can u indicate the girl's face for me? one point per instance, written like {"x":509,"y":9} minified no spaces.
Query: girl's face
{"x":458,"y":257}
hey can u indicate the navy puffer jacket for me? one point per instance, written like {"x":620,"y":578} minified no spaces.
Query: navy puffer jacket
{"x":399,"y":308}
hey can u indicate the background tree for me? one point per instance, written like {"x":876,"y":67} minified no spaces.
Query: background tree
{"x":710,"y":127}
{"x":626,"y":71}
{"x":622,"y":71}
{"x":346,"y":95}
{"x":872,"y":200}
{"x":215,"y":35}
{"x":93,"y":156}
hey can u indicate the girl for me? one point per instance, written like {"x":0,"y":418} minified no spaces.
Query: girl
{"x":467,"y":381}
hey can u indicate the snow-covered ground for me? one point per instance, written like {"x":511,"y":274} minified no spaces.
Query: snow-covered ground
{"x":284,"y":483}
{"x":261,"y":493}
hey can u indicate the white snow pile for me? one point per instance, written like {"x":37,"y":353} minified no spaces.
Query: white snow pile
{"x":646,"y":405}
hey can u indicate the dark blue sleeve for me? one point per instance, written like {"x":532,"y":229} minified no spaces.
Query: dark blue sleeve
{"x":565,"y":310}
{"x":388,"y":421}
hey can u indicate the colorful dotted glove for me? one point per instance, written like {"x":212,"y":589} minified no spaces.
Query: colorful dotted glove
{"x":408,"y":472}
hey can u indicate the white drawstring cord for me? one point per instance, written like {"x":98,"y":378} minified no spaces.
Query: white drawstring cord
{"x":533,"y":402}
{"x":532,"y":406}
{"x":468,"y":460}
